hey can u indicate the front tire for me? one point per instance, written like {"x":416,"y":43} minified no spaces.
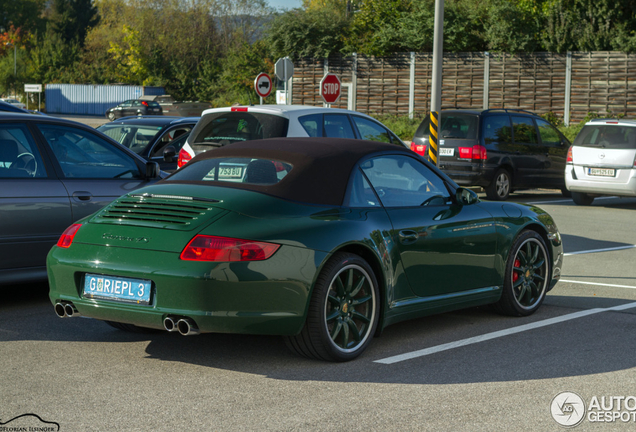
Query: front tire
{"x":582,"y":199}
{"x":500,"y":187}
{"x":111,"y":116}
{"x":343,"y":311}
{"x":527,"y":276}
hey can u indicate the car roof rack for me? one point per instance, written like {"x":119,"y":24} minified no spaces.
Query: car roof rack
{"x":509,"y":110}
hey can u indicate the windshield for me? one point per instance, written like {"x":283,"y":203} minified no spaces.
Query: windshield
{"x":134,"y":137}
{"x":235,"y":170}
{"x":607,"y":136}
{"x":223,"y":128}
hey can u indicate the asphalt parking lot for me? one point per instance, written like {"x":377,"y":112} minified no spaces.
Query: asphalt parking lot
{"x":468,"y":370}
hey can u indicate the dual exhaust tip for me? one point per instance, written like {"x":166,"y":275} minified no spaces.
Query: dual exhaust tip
{"x":185,"y":326}
{"x":66,"y":310}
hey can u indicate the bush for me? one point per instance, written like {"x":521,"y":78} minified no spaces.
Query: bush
{"x":401,"y":125}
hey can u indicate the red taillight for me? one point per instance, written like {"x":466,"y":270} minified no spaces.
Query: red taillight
{"x":184,"y":158}
{"x":420,"y":149}
{"x":144,"y":103}
{"x":476,"y":152}
{"x":611,"y":122}
{"x":68,"y":235}
{"x":569,"y":159}
{"x":241,"y":109}
{"x":212,"y":248}
{"x":465,"y":152}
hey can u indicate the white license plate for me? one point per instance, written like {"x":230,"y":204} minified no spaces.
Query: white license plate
{"x":231,"y":172}
{"x":447,"y":151}
{"x":117,"y":288}
{"x":602,"y":172}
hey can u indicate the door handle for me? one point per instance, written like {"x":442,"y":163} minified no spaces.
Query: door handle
{"x":408,"y":236}
{"x":82,"y":195}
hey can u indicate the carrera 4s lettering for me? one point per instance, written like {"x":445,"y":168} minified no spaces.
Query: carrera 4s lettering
{"x":107,"y":236}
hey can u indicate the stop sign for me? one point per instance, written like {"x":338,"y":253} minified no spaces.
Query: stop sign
{"x":330,"y":87}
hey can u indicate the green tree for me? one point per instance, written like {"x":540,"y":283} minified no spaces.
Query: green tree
{"x":511,"y":28}
{"x":24,"y":14}
{"x":307,"y":33}
{"x":72,"y":19}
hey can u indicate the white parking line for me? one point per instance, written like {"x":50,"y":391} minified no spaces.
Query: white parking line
{"x":594,"y":283}
{"x":599,"y":250}
{"x":500,"y":333}
{"x":568,"y":200}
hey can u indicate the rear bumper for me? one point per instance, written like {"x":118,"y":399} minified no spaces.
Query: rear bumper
{"x":264,"y":297}
{"x":468,"y":174}
{"x":623,"y":184}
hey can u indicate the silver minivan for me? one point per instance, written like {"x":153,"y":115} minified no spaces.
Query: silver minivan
{"x":602,"y":161}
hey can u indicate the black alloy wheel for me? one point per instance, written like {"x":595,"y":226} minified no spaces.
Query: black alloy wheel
{"x":343,"y":312}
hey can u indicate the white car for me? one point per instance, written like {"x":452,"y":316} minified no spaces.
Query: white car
{"x":221,"y":126}
{"x":602,"y":161}
{"x":14,"y":102}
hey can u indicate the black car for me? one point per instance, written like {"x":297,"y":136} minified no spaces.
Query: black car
{"x":52,"y":173}
{"x":150,"y":136}
{"x":501,"y":150}
{"x":134,"y":107}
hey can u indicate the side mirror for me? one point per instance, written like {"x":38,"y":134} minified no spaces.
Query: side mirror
{"x":169,"y":154}
{"x":466,"y":196}
{"x":152,"y":170}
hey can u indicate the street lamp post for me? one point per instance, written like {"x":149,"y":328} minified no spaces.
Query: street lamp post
{"x":15,"y":63}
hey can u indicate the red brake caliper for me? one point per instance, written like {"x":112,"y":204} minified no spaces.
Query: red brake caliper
{"x":515,"y":275}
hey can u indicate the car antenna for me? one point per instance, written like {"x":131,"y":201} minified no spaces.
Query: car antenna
{"x":249,"y":96}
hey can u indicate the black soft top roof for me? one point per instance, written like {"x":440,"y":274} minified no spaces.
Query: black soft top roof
{"x":321,"y":166}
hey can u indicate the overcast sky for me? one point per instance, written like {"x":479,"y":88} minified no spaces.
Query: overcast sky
{"x":287,"y":4}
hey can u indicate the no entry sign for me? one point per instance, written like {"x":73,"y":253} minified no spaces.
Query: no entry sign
{"x":263,"y":85}
{"x":330,"y":87}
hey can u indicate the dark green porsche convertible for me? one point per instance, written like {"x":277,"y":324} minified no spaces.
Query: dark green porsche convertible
{"x":323,"y":241}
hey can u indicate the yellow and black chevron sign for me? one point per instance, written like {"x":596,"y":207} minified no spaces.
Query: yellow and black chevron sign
{"x":432,"y":140}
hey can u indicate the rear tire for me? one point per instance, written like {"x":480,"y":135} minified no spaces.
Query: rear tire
{"x":582,"y":199}
{"x":343,"y":311}
{"x":130,"y":328}
{"x":500,"y":187}
{"x":566,"y":193}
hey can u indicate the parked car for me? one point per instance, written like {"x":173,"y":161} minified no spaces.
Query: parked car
{"x":171,"y":107}
{"x":53,"y":172}
{"x":14,"y":102}
{"x":150,"y":136}
{"x":134,"y":107}
{"x":7,"y":107}
{"x":323,"y":241}
{"x":602,"y":161}
{"x":222,"y":126}
{"x":501,"y":150}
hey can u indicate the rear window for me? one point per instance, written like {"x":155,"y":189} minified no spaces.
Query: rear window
{"x":234,"y":170}
{"x":223,"y":128}
{"x":459,"y":126}
{"x":131,"y":136}
{"x":454,"y":126}
{"x":607,"y":136}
